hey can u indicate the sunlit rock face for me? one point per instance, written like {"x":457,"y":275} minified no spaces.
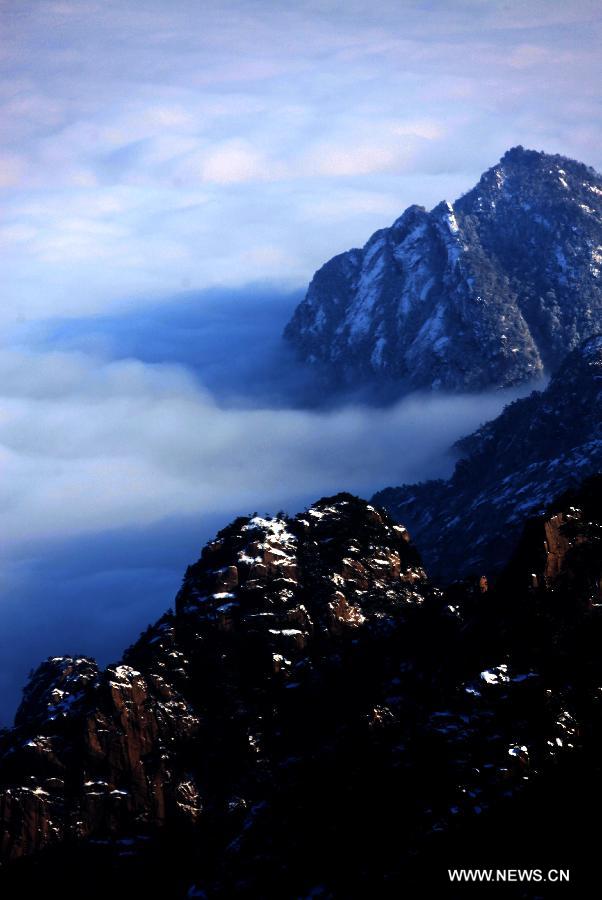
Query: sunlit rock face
{"x":490,"y":291}
{"x":315,"y":719}
{"x":511,"y":468}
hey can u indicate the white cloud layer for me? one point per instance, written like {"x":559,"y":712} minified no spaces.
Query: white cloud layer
{"x":159,"y":146}
{"x":87,"y":445}
{"x":154,"y":145}
{"x":127,"y":441}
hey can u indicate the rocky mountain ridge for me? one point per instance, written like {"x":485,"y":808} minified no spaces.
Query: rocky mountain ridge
{"x":100,"y":753}
{"x":511,"y":468}
{"x":490,"y":291}
{"x":315,"y":719}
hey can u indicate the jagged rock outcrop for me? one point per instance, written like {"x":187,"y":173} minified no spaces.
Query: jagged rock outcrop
{"x":97,"y":750}
{"x":271,"y":600}
{"x":491,"y":290}
{"x":315,"y":719}
{"x":510,"y":468}
{"x":560,"y":553}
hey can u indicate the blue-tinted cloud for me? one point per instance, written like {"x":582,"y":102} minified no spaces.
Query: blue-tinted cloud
{"x":156,"y":146}
{"x":231,"y":340}
{"x":90,"y":594}
{"x":127,"y":440}
{"x":162,"y":148}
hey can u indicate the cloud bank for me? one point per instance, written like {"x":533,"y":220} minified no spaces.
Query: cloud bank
{"x":115,"y":474}
{"x":87,"y":445}
{"x":154,"y":147}
{"x":126,"y":441}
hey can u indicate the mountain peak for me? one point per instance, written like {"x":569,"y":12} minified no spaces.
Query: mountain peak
{"x":520,"y":155}
{"x":312,"y":685}
{"x":493,"y":290}
{"x":527,"y":168}
{"x":272,"y":605}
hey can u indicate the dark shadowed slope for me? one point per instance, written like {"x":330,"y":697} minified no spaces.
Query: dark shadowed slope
{"x":489,"y":291}
{"x":511,"y":468}
{"x":316,"y":720}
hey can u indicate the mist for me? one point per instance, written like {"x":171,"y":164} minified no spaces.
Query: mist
{"x":126,"y":441}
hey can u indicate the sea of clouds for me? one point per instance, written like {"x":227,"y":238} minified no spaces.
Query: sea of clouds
{"x":154,"y":150}
{"x":150,"y":147}
{"x":127,"y":441}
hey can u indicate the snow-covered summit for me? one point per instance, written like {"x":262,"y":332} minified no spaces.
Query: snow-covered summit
{"x":491,"y":290}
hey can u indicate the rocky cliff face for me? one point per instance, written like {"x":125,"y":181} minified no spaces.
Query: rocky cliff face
{"x":316,"y":720}
{"x":510,"y":468}
{"x":489,"y":291}
{"x":187,"y":720}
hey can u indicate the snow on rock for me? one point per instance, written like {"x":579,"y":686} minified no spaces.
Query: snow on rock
{"x":497,"y":675}
{"x":316,"y":704}
{"x":439,"y":300}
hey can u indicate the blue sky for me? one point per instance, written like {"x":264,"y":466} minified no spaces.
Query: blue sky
{"x":171,"y":175}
